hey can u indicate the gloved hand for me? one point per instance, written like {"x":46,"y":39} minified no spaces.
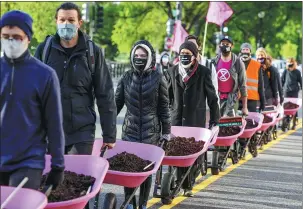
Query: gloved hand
{"x":211,"y":125}
{"x":262,"y":107}
{"x":55,"y":177}
{"x":281,"y":100}
{"x":165,"y":137}
{"x":275,"y":101}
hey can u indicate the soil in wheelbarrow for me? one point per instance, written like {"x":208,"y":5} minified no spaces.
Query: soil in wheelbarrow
{"x":127,"y":162}
{"x":181,"y":146}
{"x":228,"y":131}
{"x":267,"y":119}
{"x":290,"y":105}
{"x":250,"y":124}
{"x":74,"y":186}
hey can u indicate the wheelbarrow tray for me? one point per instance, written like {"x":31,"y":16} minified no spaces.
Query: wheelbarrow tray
{"x":265,"y":126}
{"x":258,"y":117}
{"x":297,"y":101}
{"x":144,"y":151}
{"x":200,"y":134}
{"x":23,"y":199}
{"x":81,"y":164}
{"x":230,"y":140}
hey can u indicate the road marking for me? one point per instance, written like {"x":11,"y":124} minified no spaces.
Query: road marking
{"x":211,"y":179}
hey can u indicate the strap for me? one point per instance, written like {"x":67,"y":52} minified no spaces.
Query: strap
{"x":91,"y":57}
{"x":46,"y":47}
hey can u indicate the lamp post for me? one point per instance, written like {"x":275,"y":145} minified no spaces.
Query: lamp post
{"x":261,"y":15}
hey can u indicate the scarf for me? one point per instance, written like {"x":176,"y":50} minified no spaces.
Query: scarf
{"x":187,"y":74}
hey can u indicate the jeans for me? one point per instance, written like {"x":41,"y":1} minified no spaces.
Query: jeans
{"x":15,"y":177}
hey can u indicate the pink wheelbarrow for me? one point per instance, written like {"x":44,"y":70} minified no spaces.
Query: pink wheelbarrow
{"x":127,"y":179}
{"x":265,"y":131}
{"x":23,"y":199}
{"x":81,"y":164}
{"x":290,"y":113}
{"x":248,"y":135}
{"x":223,"y":149}
{"x":167,"y":184}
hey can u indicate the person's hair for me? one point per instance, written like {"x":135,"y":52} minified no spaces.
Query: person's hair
{"x":194,"y":37}
{"x":69,"y":6}
{"x":267,"y":56}
{"x":293,"y":61}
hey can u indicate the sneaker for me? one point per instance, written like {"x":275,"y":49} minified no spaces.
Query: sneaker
{"x":188,"y":193}
{"x":130,"y":206}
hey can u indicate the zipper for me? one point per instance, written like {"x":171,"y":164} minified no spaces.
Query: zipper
{"x":12,"y":78}
{"x":140,"y":98}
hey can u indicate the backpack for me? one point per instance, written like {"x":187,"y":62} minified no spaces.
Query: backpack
{"x":90,"y":54}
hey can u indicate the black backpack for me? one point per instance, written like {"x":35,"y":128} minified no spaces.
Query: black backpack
{"x":90,"y":54}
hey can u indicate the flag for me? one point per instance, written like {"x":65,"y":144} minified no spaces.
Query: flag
{"x":218,"y":13}
{"x":179,"y":36}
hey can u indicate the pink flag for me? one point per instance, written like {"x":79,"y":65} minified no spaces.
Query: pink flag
{"x":218,"y":12}
{"x":179,"y":36}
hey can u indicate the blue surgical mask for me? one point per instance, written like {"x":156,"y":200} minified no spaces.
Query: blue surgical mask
{"x":67,"y":31}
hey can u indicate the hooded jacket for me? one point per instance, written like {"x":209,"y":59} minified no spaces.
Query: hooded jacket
{"x":30,"y":107}
{"x":145,"y":95}
{"x":80,"y":88}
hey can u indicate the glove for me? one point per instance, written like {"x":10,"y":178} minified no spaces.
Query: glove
{"x":211,"y":125}
{"x":165,"y":137}
{"x":55,"y":177}
{"x":262,"y":107}
{"x":275,"y":101}
{"x":281,"y":100}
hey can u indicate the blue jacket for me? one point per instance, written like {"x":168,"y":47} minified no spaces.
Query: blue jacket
{"x":31,"y":114}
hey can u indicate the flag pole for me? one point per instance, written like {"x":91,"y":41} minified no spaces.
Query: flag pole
{"x":204,"y":39}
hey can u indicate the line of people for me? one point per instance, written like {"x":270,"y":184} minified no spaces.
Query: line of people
{"x":47,"y":101}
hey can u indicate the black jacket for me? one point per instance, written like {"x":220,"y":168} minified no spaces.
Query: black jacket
{"x":291,"y":80}
{"x":188,"y":100}
{"x":270,"y":77}
{"x":146,"y":98}
{"x":79,"y":89}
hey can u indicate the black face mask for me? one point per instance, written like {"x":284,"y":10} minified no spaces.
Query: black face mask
{"x":225,"y":49}
{"x":185,"y":59}
{"x":245,"y":57}
{"x":290,"y":65}
{"x":140,"y":63}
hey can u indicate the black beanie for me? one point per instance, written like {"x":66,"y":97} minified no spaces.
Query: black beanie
{"x":190,"y":46}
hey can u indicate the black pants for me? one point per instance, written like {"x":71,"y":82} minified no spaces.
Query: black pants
{"x":145,"y":188}
{"x":251,"y":105}
{"x":82,"y":148}
{"x":14,"y":178}
{"x":190,"y":180}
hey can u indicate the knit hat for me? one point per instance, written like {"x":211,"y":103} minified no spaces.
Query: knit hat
{"x":190,"y":46}
{"x":19,"y":19}
{"x":246,"y":45}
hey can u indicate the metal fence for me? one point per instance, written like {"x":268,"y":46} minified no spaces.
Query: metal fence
{"x":117,"y":69}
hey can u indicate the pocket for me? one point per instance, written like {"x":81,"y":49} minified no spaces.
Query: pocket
{"x":82,"y":114}
{"x":80,"y":74}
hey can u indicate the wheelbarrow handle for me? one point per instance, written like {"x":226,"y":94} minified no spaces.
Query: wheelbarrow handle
{"x":103,"y":150}
{"x":47,"y":190}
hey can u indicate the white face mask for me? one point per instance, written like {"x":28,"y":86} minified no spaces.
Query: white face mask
{"x":12,"y":48}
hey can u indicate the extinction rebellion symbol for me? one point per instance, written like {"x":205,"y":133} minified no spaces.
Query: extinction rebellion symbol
{"x":223,"y":74}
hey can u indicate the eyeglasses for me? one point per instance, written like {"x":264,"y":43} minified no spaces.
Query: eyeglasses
{"x":15,"y":37}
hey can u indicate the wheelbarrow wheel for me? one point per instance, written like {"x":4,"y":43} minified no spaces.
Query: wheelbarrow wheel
{"x":168,"y":182}
{"x":110,"y":201}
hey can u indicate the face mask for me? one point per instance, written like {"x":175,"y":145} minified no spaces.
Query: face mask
{"x":261,"y":60}
{"x":140,"y":63}
{"x":245,"y":57}
{"x":12,"y":48}
{"x":225,"y":49}
{"x":185,"y":60}
{"x":165,"y":61}
{"x":289,"y":65}
{"x":67,"y":31}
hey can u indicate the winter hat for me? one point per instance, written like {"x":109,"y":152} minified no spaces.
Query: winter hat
{"x":190,"y":46}
{"x":19,"y":19}
{"x":246,"y":45}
